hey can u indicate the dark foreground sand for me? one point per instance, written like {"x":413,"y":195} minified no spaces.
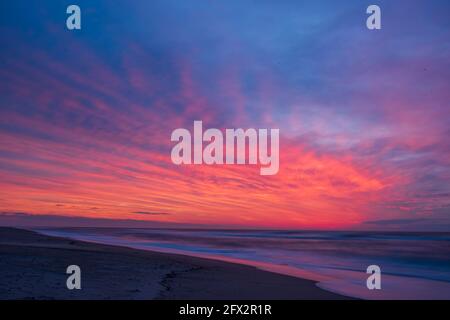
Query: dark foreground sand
{"x":32,"y":266}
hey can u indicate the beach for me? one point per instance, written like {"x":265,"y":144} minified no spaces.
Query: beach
{"x":33,"y":266}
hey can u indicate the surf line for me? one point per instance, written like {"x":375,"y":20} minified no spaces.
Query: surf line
{"x":236,"y":147}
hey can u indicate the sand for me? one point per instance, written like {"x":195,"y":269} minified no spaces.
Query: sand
{"x":33,"y":266}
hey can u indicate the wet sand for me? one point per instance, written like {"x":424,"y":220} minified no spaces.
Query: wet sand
{"x":33,"y":266}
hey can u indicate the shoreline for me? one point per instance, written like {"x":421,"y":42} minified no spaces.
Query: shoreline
{"x":33,"y":266}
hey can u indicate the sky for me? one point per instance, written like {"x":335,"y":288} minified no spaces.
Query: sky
{"x":86,"y":115}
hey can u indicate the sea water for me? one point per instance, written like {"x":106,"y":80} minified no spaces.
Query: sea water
{"x":414,"y":265}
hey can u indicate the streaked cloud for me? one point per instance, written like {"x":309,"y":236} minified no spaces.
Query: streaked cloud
{"x":85,"y":120}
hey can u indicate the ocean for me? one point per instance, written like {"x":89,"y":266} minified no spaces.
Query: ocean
{"x":414,"y":265}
